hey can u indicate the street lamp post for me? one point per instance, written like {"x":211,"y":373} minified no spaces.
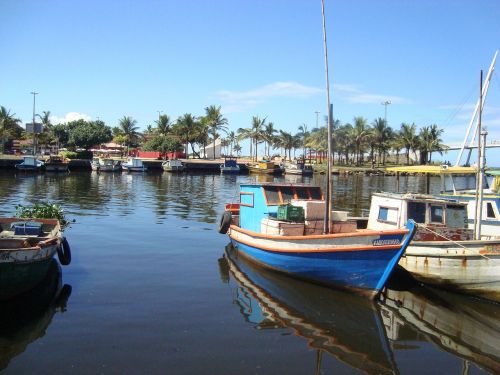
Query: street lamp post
{"x":34,"y":129}
{"x":385,"y":104}
{"x":317,"y":117}
{"x":159,"y":113}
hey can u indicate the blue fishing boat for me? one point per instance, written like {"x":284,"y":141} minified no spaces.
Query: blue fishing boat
{"x":279,"y":226}
{"x":230,"y":166}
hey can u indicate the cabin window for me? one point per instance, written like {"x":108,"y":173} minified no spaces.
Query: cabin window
{"x":416,"y":211}
{"x":437,"y":214}
{"x":315,"y":193}
{"x":272,"y":195}
{"x":456,"y":216}
{"x":302,"y":193}
{"x":490,"y":211}
{"x":388,"y":215}
{"x":287,"y":193}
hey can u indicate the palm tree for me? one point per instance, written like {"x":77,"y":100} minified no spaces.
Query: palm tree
{"x":257,"y":132}
{"x":268,"y":135}
{"x":383,"y":134}
{"x":231,"y":137}
{"x":9,"y":125}
{"x":304,"y":133}
{"x":408,"y":138}
{"x":46,"y":135}
{"x":288,"y":142}
{"x":215,"y":121}
{"x":237,"y":149}
{"x":186,"y":128}
{"x":436,"y":142}
{"x":129,"y":129}
{"x":163,"y":125}
{"x":245,"y":133}
{"x":359,"y":134}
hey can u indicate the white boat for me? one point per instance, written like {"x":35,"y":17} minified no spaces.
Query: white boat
{"x":173,"y":165}
{"x":27,"y":247}
{"x":134,"y":165}
{"x":30,"y":164}
{"x":299,"y":167}
{"x":106,"y":165}
{"x":443,"y":252}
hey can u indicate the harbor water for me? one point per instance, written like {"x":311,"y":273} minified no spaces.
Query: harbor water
{"x":153,"y":288}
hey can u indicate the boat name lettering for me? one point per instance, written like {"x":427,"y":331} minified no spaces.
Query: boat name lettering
{"x":385,"y":242}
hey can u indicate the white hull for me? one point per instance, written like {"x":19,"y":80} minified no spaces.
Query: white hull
{"x":471,"y":267}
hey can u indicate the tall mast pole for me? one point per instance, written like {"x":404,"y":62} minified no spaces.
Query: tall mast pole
{"x":328,"y":199}
{"x":479,"y":175}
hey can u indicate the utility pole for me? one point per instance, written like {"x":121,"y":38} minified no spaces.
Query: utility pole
{"x":34,"y":128}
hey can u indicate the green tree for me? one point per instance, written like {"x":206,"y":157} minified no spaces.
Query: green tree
{"x":215,"y":121}
{"x":128,"y":128}
{"x":163,"y":125}
{"x":360,"y":132}
{"x":408,"y":138}
{"x":163,"y":144}
{"x":187,"y":129}
{"x":9,"y":126}
{"x":86,"y":134}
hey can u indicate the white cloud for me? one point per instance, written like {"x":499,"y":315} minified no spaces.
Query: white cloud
{"x":354,"y":94}
{"x":70,"y":116}
{"x":238,"y":101}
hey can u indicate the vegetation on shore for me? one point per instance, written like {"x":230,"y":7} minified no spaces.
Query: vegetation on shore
{"x":354,"y":144}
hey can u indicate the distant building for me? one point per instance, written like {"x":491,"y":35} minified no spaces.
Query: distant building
{"x":208,"y":153}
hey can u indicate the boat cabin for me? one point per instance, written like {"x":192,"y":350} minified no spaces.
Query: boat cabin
{"x":438,"y":218}
{"x":259,"y":201}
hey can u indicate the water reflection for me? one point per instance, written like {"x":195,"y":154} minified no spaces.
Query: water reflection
{"x":25,"y":318}
{"x":342,"y":325}
{"x":461,"y":325}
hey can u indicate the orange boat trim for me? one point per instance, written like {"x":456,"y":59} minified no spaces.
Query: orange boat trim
{"x":319,"y":236}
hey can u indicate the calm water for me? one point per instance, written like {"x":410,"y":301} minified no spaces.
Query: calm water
{"x":149,"y":291}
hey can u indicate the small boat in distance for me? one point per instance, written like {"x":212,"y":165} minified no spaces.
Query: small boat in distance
{"x":106,"y":165}
{"x":134,"y":165}
{"x":230,"y":166}
{"x":299,"y":167}
{"x":279,"y":226}
{"x":27,"y":247}
{"x":30,"y":164}
{"x":173,"y":165}
{"x":265,"y":167}
{"x":56,"y":163}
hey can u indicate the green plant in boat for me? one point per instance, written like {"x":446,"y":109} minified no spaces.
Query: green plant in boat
{"x":44,"y":210}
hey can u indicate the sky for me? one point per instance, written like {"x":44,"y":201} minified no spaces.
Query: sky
{"x":108,"y":59}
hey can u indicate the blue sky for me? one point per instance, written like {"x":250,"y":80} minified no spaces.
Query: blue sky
{"x":110,"y":59}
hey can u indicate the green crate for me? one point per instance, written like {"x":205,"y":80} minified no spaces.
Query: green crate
{"x":287,"y":212}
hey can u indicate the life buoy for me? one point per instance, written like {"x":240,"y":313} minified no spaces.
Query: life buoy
{"x":64,"y":252}
{"x":225,"y":222}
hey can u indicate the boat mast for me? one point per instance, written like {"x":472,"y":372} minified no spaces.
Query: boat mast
{"x":484,"y":91}
{"x":328,"y":199}
{"x":481,"y":144}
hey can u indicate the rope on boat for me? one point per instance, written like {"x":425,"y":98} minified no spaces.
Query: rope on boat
{"x":449,"y":239}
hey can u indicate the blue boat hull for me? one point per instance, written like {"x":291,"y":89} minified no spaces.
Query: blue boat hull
{"x":364,"y":271}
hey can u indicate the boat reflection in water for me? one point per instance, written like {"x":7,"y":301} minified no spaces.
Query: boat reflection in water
{"x":26,"y":317}
{"x":344,"y":325}
{"x":464,"y":326}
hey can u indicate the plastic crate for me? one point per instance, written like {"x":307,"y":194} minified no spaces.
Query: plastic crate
{"x":27,"y":228}
{"x":288,"y":212}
